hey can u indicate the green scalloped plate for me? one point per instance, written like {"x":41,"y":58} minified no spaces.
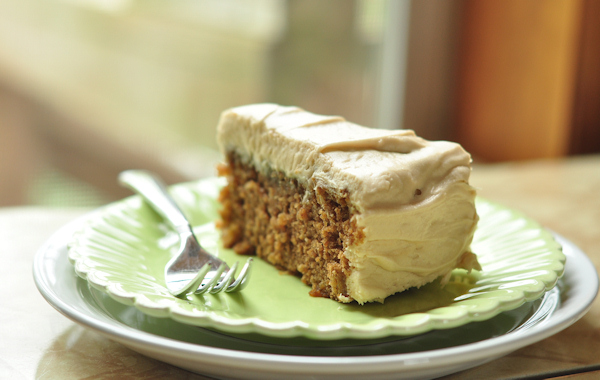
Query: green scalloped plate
{"x":123,"y":248}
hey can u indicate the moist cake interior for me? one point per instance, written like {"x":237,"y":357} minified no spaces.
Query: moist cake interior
{"x":301,"y":231}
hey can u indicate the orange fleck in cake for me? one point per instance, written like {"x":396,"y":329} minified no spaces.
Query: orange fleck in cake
{"x":358,"y":213}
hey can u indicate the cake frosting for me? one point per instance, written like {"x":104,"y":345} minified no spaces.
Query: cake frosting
{"x":412,"y":197}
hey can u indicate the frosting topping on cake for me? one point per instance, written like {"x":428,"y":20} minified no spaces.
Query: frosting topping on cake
{"x":411,"y":195}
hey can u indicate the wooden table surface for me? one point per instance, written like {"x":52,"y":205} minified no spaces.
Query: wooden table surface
{"x":38,"y":342}
{"x":564,"y":196}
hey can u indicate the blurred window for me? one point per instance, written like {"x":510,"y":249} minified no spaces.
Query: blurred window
{"x":98,"y":86}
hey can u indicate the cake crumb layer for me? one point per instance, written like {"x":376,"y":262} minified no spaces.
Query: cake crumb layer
{"x":300,"y":231}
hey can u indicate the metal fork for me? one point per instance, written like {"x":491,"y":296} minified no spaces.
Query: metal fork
{"x":193,"y":269}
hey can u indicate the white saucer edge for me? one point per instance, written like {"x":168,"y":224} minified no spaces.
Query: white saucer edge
{"x":580,"y":277}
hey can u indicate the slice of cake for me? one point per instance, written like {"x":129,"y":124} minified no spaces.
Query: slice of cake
{"x":358,"y":213}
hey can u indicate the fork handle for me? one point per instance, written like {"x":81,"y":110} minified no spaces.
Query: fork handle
{"x":154,"y":191}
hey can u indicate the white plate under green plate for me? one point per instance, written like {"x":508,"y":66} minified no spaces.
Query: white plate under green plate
{"x":123,"y":249}
{"x":424,"y":356}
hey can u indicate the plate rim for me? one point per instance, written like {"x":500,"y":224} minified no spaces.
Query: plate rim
{"x":459,"y":313}
{"x":586,"y":290}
